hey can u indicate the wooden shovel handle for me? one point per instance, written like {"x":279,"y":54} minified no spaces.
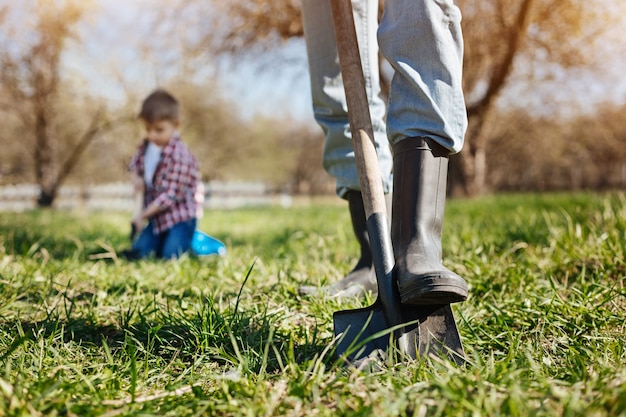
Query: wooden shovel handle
{"x":366,"y":160}
{"x":370,"y":176}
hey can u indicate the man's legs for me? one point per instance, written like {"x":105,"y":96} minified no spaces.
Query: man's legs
{"x":330,"y":111}
{"x":422,"y":41}
{"x":329,"y":102}
{"x":427,"y":120}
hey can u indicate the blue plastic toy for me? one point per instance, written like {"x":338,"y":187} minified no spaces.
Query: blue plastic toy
{"x":204,"y":245}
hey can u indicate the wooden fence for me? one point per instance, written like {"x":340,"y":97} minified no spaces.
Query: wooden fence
{"x":119,"y":196}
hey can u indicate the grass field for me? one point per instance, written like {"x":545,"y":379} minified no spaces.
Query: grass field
{"x":83,"y":333}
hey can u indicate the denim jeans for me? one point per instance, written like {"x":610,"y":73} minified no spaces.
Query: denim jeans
{"x":167,"y":245}
{"x":329,"y":102}
{"x":422,"y":41}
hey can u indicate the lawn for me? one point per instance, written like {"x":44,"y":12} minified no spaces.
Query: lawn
{"x":83,"y":333}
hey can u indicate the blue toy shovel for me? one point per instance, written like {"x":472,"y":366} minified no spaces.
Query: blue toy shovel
{"x":411,"y":330}
{"x":205,"y":245}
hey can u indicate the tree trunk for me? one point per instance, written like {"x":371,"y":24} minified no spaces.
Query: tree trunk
{"x":44,"y":160}
{"x":50,"y":179}
{"x":470,"y":167}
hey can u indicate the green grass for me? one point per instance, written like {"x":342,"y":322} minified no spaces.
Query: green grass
{"x":84,"y":333}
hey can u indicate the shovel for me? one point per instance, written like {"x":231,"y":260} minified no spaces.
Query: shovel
{"x":387,"y":326}
{"x":137,"y":207}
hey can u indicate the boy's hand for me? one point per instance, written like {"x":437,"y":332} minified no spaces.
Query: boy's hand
{"x":139,"y":219}
{"x":137,"y":222}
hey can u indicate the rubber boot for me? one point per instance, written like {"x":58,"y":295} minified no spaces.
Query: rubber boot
{"x":419,"y":197}
{"x":362,"y":278}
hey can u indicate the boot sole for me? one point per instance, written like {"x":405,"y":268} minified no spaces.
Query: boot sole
{"x":433,"y":290}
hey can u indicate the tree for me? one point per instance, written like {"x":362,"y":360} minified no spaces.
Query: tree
{"x":520,"y":41}
{"x":578,"y":152}
{"x":30,"y":76}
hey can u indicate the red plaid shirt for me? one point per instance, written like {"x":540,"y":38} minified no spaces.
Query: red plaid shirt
{"x":173,"y":186}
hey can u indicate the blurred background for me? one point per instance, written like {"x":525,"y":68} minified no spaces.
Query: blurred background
{"x":544,"y":82}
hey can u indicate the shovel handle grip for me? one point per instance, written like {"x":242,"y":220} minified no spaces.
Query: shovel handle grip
{"x":366,"y":159}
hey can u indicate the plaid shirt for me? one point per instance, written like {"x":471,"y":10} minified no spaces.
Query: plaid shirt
{"x":173,"y":186}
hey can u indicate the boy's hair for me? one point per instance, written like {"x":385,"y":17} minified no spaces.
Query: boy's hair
{"x":159,"y":105}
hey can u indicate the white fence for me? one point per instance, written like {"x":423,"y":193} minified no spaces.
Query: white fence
{"x":119,"y":196}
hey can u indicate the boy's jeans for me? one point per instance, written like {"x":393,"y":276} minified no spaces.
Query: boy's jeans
{"x":167,"y":245}
{"x":422,"y":41}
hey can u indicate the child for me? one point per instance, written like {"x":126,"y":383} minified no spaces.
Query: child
{"x":167,"y":175}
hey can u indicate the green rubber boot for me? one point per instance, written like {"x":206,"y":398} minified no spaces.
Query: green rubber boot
{"x":419,"y":197}
{"x":362,"y":278}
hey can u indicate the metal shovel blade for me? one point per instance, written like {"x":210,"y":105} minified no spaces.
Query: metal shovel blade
{"x":428,"y":330}
{"x":365,"y":331}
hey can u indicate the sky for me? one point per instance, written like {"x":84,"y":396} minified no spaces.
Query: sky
{"x":256,"y":85}
{"x":278,"y":85}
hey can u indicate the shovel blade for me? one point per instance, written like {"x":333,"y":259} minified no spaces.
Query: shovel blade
{"x":428,"y":330}
{"x":364,"y":332}
{"x":439,"y":335}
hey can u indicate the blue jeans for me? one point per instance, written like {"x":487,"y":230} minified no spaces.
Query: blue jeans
{"x":422,"y":41}
{"x":167,"y":245}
